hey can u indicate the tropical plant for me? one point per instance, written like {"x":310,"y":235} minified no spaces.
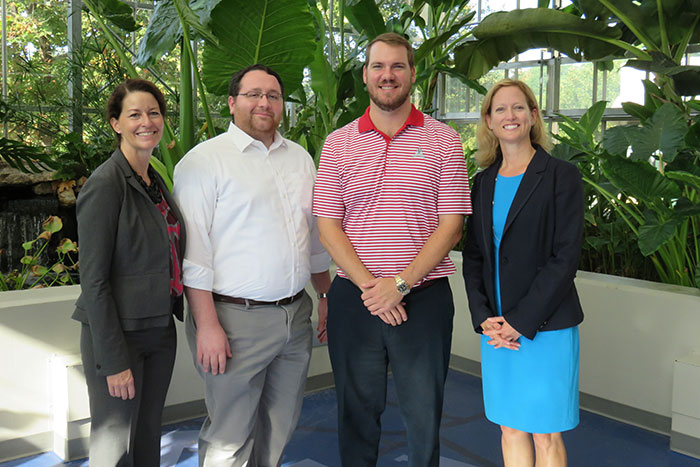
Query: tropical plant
{"x":647,"y":174}
{"x":337,"y":91}
{"x":35,"y":275}
{"x":233,"y":33}
{"x":655,"y":190}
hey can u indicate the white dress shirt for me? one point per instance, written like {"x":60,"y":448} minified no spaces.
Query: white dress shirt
{"x":247,"y":210}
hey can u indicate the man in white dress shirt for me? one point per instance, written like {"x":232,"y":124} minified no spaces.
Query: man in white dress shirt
{"x":246,"y":199}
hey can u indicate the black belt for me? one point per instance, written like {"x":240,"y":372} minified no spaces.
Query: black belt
{"x":248,"y":302}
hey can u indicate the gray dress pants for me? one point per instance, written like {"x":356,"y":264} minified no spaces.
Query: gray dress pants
{"x":127,"y":432}
{"x":254,"y":406}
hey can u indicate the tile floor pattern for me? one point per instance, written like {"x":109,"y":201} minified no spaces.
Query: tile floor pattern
{"x":467,"y":438}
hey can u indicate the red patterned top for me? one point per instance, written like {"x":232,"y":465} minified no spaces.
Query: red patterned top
{"x":176,"y":287}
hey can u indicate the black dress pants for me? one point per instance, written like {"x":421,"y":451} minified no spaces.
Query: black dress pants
{"x":127,"y":432}
{"x":361,"y":346}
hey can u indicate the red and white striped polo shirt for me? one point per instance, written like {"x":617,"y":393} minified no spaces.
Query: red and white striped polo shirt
{"x":389,"y":192}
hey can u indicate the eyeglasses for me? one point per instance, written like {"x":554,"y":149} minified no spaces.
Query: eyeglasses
{"x":257,"y":95}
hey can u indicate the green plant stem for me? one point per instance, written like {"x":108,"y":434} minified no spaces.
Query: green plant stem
{"x":186,"y":97}
{"x":617,"y":205}
{"x":665,"y":47}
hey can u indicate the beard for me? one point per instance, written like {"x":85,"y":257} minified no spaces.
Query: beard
{"x":387,"y":104}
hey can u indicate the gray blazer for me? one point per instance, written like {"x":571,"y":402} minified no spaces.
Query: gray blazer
{"x":124,"y":255}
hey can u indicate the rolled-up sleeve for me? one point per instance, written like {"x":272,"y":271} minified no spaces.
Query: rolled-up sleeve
{"x":194,"y":189}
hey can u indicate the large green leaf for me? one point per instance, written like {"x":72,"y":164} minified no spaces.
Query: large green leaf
{"x":364,"y":16}
{"x":118,"y":13}
{"x":639,"y":180}
{"x":685,"y":177}
{"x":618,"y":139}
{"x":664,"y":131}
{"x":653,"y":234}
{"x":636,"y":110}
{"x":276,"y":33}
{"x":324,"y":85}
{"x":164,"y":29}
{"x":591,"y":119}
{"x":438,"y":42}
{"x":503,"y":35}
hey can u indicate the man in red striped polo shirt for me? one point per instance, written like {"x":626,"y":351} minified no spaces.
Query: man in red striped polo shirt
{"x":391,"y":194}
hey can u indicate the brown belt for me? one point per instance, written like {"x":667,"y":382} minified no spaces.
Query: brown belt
{"x":249,"y":302}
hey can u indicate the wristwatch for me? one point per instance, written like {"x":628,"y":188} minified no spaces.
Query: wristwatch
{"x":401,"y":285}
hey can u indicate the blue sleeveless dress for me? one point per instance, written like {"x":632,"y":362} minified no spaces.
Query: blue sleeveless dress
{"x":535,"y":388}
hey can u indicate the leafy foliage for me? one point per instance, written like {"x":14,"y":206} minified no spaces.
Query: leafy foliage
{"x":33,"y":274}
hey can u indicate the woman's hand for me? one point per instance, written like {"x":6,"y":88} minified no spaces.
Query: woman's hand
{"x":501,"y":333}
{"x":122,"y":385}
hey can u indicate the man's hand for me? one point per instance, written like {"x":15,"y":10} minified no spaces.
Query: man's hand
{"x":322,"y":318}
{"x":122,"y":385}
{"x":213,"y":348}
{"x":395,"y":316}
{"x":380,"y":295}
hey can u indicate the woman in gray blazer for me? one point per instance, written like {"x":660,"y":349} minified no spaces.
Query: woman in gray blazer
{"x":520,"y":258}
{"x":132,"y":242}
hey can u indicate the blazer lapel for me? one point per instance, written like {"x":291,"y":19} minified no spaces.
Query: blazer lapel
{"x":488,"y":183}
{"x":131,"y":180}
{"x":532,"y":178}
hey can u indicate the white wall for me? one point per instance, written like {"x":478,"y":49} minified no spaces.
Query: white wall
{"x":632,"y":333}
{"x":35,"y":326}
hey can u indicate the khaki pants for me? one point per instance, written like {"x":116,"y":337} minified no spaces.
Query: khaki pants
{"x":254,"y":406}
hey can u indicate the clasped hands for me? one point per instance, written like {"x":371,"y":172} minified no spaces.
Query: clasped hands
{"x":502,"y":334}
{"x":383,"y":300}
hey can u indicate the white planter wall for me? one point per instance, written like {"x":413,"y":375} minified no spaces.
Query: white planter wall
{"x":632,"y":333}
{"x":43,"y":399}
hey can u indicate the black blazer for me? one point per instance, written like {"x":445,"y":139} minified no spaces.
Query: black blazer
{"x":124,"y":255}
{"x":539,"y":251}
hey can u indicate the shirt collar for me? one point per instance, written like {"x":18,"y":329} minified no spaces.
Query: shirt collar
{"x":242,"y":139}
{"x":415,"y":118}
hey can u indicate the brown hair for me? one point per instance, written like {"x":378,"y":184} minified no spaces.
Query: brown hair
{"x":489,"y":148}
{"x":394,"y":39}
{"x":234,"y":84}
{"x":115,"y":101}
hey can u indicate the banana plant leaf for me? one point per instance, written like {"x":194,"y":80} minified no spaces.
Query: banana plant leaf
{"x":364,"y":16}
{"x":277,"y":33}
{"x":164,"y":29}
{"x":118,"y":13}
{"x":503,"y":35}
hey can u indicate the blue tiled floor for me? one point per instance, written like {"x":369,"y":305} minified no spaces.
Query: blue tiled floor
{"x":468,"y":439}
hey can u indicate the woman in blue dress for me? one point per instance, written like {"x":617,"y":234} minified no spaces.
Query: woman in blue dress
{"x":520,"y":260}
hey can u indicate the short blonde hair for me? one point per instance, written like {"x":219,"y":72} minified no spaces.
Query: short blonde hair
{"x":488,"y":146}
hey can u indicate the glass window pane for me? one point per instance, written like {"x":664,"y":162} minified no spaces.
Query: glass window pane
{"x":624,"y":84}
{"x":487,"y":81}
{"x":467,"y":132}
{"x":456,"y":95}
{"x":576,"y":86}
{"x":536,"y":78}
